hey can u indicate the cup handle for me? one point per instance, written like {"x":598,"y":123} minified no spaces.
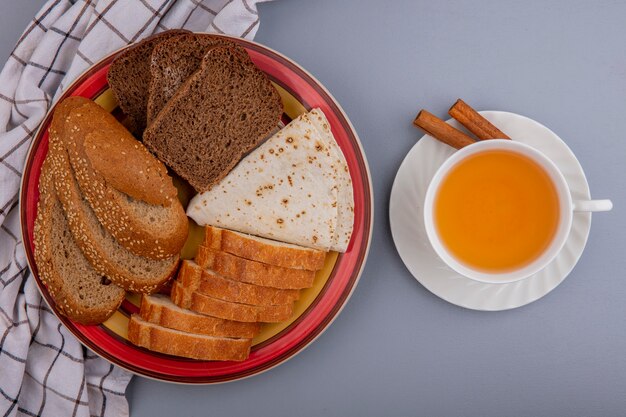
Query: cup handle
{"x":592,"y":205}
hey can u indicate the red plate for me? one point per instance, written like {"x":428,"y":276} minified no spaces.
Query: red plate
{"x":302,"y":92}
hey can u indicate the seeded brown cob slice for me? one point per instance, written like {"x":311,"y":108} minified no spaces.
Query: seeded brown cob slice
{"x":204,"y":304}
{"x":146,"y":178}
{"x":263,"y":250}
{"x":150,"y":230}
{"x":189,"y":345}
{"x":253,"y":272}
{"x":129,"y":78}
{"x":193,"y":278}
{"x":159,"y":309}
{"x":111,"y":152}
{"x":106,"y":255}
{"x":79,"y":292}
{"x":223,"y":111}
{"x":175,"y":60}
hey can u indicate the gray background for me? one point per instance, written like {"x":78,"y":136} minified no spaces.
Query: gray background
{"x":397,"y":350}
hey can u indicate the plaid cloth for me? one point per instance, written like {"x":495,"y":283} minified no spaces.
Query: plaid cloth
{"x":44,"y":371}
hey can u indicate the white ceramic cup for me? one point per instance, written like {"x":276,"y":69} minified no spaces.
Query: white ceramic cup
{"x":567,"y":208}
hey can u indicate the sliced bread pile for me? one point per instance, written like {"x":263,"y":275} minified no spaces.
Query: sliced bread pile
{"x":108,"y":219}
{"x":206,"y":104}
{"x":164,"y":327}
{"x":236,"y":282}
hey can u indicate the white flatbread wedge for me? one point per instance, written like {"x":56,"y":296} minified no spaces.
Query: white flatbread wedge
{"x":288,"y":189}
{"x":345,"y":196}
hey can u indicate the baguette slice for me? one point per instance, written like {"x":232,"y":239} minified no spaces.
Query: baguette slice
{"x":129,"y":78}
{"x":159,"y":309}
{"x":223,"y":111}
{"x":79,"y":292}
{"x":263,"y":250}
{"x":174,"y":61}
{"x":253,"y":272}
{"x":193,"y":278}
{"x":106,"y":255}
{"x":149,"y":230}
{"x":196,"y":346}
{"x":204,"y":304}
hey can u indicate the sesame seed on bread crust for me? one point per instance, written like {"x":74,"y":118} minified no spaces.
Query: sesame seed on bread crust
{"x":127,"y":270}
{"x":153,"y":231}
{"x":79,"y":292}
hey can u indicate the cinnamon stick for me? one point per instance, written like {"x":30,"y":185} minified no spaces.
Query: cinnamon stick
{"x":474,"y":122}
{"x":441,"y":131}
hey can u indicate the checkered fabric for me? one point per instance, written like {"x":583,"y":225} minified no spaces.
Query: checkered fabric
{"x":44,"y":371}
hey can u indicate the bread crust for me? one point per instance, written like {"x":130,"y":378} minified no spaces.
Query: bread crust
{"x":253,"y":272}
{"x":149,"y":275}
{"x":227,"y":310}
{"x":177,"y":343}
{"x":132,"y":66}
{"x":125,"y":218}
{"x":193,"y":278}
{"x":66,"y":300}
{"x":188,"y":321}
{"x":173,"y":61}
{"x":263,"y":250}
{"x":147,"y":180}
{"x":203,"y":149}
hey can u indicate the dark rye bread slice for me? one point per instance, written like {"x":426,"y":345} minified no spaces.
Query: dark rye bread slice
{"x":129,"y":78}
{"x":79,"y":292}
{"x":106,"y":255}
{"x":223,"y":111}
{"x":149,"y":230}
{"x":174,"y":61}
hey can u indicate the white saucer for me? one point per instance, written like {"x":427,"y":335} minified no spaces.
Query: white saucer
{"x":409,"y":235}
